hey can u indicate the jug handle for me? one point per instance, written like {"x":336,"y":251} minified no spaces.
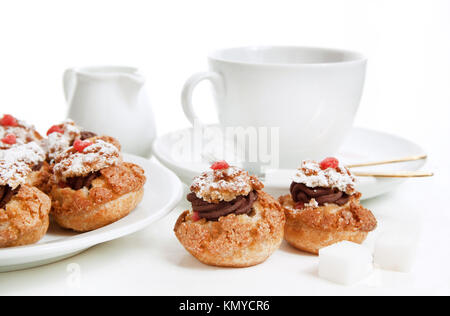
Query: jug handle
{"x":68,"y":84}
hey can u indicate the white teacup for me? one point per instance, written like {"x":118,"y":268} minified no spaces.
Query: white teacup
{"x":310,"y":94}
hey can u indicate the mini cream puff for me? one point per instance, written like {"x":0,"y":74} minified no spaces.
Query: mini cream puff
{"x":62,"y":136}
{"x":323,"y":207}
{"x":24,"y":210}
{"x":92,"y":187}
{"x":17,"y":137}
{"x":33,"y":156}
{"x":233,"y":222}
{"x":15,"y":132}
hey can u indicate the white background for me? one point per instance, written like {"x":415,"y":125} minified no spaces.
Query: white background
{"x":407,"y":42}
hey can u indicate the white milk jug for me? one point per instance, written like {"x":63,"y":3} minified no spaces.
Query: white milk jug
{"x":111,"y":101}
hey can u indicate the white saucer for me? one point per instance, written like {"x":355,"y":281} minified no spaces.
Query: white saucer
{"x":362,"y":145}
{"x":163,"y":191}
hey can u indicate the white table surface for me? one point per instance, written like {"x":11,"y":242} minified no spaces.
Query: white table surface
{"x":152,"y":262}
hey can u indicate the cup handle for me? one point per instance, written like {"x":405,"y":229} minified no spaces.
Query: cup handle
{"x":188,"y":89}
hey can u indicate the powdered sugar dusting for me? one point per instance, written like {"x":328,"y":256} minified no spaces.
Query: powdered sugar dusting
{"x":70,"y":129}
{"x":56,"y":143}
{"x":310,"y":174}
{"x":224,"y":184}
{"x":13,"y":174}
{"x":17,"y":162}
{"x":31,"y":154}
{"x":95,"y":157}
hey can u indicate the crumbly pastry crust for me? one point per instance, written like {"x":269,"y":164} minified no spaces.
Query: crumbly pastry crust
{"x":107,"y":139}
{"x":311,"y":240}
{"x":24,"y":220}
{"x":95,"y":157}
{"x":41,"y":178}
{"x":234,"y":240}
{"x":113,"y":195}
{"x":313,"y":228}
{"x":224,"y":184}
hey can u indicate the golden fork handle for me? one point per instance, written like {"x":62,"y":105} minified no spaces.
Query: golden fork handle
{"x":398,"y":174}
{"x":384,"y":162}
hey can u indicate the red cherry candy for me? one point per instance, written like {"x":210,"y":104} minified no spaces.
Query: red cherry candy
{"x":219,"y":165}
{"x":9,"y":139}
{"x":329,"y":162}
{"x":195,"y":216}
{"x":8,"y":120}
{"x":80,"y":145}
{"x":55,"y":129}
{"x":299,"y":205}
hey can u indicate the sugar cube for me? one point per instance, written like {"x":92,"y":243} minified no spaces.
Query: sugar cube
{"x":345,"y":262}
{"x":396,"y":250}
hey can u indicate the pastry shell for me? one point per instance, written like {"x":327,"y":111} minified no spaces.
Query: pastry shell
{"x":313,"y":228}
{"x":25,"y":218}
{"x":234,"y":240}
{"x":113,"y":195}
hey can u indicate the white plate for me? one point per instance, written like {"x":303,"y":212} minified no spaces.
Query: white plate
{"x":163,"y":191}
{"x":362,"y":145}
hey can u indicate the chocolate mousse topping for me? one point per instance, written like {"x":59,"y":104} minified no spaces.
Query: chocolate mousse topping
{"x":6,"y":193}
{"x":85,"y":135}
{"x":77,"y":183}
{"x":38,"y":166}
{"x":212,"y":211}
{"x":304,"y":194}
